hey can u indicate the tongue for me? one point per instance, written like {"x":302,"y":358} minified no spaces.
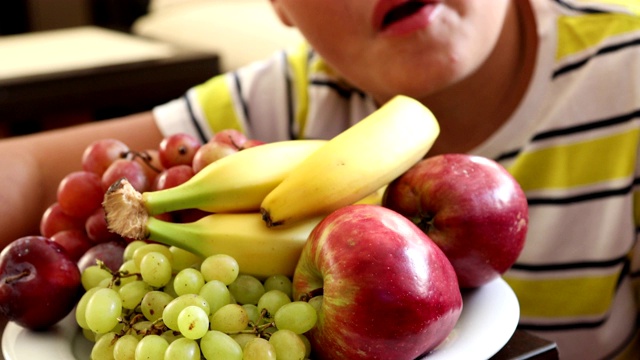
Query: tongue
{"x":402,"y":11}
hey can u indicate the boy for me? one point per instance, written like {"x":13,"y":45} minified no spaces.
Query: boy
{"x":548,"y":88}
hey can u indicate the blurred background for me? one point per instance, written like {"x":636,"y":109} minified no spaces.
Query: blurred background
{"x":65,"y":62}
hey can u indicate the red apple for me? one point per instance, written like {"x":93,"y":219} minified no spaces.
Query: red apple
{"x":388,"y":291}
{"x":39,"y":282}
{"x":471,"y":207}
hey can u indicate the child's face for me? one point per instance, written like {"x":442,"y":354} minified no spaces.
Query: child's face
{"x":372,"y":45}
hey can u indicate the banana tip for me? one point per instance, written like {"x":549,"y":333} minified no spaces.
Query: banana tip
{"x":266,"y":217}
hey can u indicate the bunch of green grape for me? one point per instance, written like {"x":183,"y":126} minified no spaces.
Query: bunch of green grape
{"x":167,"y":303}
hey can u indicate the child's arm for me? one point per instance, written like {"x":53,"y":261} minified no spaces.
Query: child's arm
{"x":31,"y":167}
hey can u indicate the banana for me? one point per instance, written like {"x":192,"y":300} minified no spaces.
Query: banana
{"x":236,"y":183}
{"x":355,"y":163}
{"x":260,"y":251}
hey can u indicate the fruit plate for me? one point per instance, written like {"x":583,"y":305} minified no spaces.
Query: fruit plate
{"x":488,"y":320}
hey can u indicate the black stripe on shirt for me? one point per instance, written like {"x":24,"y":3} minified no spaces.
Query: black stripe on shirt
{"x":582,"y":9}
{"x":533,"y":201}
{"x":605,"y":50}
{"x":571,"y":266}
{"x":287,"y":79}
{"x":243,"y":102}
{"x":592,"y":125}
{"x":341,"y":90}
{"x":194,"y":121}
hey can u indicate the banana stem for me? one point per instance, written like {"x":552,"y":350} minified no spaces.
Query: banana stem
{"x":124,"y":209}
{"x":182,"y":235}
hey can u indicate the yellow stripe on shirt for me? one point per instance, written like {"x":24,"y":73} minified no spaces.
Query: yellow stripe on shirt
{"x":298,"y":63}
{"x":220,"y":114}
{"x":578,"y":164}
{"x":577,"y":34}
{"x":564,"y":297}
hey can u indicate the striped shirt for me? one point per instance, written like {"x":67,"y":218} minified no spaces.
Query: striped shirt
{"x":572,"y":144}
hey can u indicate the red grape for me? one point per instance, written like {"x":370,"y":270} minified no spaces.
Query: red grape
{"x":129,"y":169}
{"x":101,"y":153}
{"x":110,"y":253}
{"x":173,"y":176}
{"x":150,"y":162}
{"x":251,"y":143}
{"x":39,"y":282}
{"x":210,"y":152}
{"x":96,"y":228}
{"x":55,"y":220}
{"x":80,"y":193}
{"x":231,"y":137}
{"x":178,"y":149}
{"x":75,"y":242}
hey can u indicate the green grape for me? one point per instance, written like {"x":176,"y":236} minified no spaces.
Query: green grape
{"x":259,"y":349}
{"x":81,"y":307}
{"x":193,"y":322}
{"x":272,"y":300}
{"x":89,"y":335}
{"x":220,"y":267}
{"x":132,"y":293}
{"x":155,"y":268}
{"x":173,"y":309}
{"x":151,"y":347}
{"x":108,"y":282}
{"x":216,"y":293}
{"x":243,"y":339}
{"x":140,"y":252}
{"x":183,"y":349}
{"x":129,"y":267}
{"x":288,"y":345}
{"x":93,"y":275}
{"x":171,"y":335}
{"x":125,"y":347}
{"x":183,"y":259}
{"x":169,"y":288}
{"x":230,"y":318}
{"x":141,"y":328}
{"x":153,"y":304}
{"x":252,"y":312}
{"x":102,"y":310}
{"x":103,"y":348}
{"x":316,"y":302}
{"x":297,"y":316}
{"x":188,"y":281}
{"x":131,"y":248}
{"x":218,"y":345}
{"x":279,"y":282}
{"x":246,"y":289}
{"x":307,"y":345}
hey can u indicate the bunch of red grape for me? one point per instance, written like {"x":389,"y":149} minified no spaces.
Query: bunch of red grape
{"x":73,"y":230}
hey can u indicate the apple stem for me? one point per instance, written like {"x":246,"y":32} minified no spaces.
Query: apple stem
{"x":311,"y":294}
{"x":10,"y":279}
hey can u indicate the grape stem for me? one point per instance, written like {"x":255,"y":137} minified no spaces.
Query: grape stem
{"x":146,"y":158}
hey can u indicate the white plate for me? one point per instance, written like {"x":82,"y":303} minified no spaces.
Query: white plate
{"x":489,"y":318}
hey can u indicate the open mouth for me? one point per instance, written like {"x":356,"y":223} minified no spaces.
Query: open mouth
{"x":401,"y":11}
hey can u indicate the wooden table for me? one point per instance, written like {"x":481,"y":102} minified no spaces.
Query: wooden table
{"x":124,"y":74}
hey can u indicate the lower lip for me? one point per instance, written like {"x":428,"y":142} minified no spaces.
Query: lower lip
{"x":412,"y":23}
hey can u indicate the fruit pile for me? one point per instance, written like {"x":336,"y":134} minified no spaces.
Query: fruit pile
{"x":308,"y":267}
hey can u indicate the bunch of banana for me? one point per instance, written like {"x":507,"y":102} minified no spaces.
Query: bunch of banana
{"x":355,"y":163}
{"x":260,"y":251}
{"x":292,"y":184}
